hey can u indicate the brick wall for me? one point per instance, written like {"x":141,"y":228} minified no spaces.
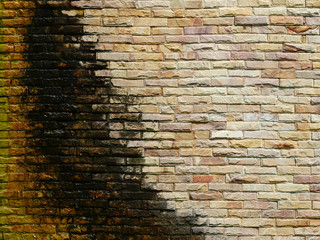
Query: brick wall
{"x":173,"y":119}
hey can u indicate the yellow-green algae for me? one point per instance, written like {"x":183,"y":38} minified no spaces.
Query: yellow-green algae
{"x":7,"y":75}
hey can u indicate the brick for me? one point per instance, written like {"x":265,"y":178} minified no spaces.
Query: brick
{"x":119,"y":21}
{"x":226,"y":204}
{"x":191,"y":187}
{"x":293,"y":222}
{"x":250,"y":38}
{"x":279,"y":214}
{"x":225,"y":187}
{"x":274,"y":73}
{"x":221,"y":21}
{"x":258,"y":188}
{"x":293,"y":170}
{"x":277,"y":38}
{"x":207,"y":178}
{"x":219,"y":3}
{"x":258,"y":222}
{"x":234,"y":231}
{"x":196,"y":152}
{"x":226,"y":169}
{"x":216,"y":38}
{"x":295,"y":205}
{"x":229,"y":11}
{"x":286,"y":20}
{"x":252,"y":20}
{"x":313,"y":231}
{"x":167,"y":31}
{"x":292,"y":187}
{"x":270,"y":11}
{"x":242,"y":126}
{"x":306,"y":179}
{"x":175,"y":126}
{"x":296,"y":3}
{"x":225,"y":222}
{"x":227,"y":134}
{"x":200,"y":30}
{"x":214,"y":55}
{"x":206,"y":196}
{"x":255,"y":143}
{"x":312,"y":3}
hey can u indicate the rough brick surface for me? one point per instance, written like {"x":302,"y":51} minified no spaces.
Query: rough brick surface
{"x":174,"y":119}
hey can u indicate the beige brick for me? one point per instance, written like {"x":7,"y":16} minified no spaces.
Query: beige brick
{"x":226,"y":204}
{"x":277,"y":38}
{"x":292,"y":188}
{"x":134,"y":12}
{"x":294,"y":204}
{"x":260,"y":170}
{"x":158,"y":170}
{"x":275,"y":179}
{"x":293,"y":170}
{"x":221,"y":21}
{"x":119,"y":21}
{"x":270,"y":11}
{"x":181,"y":187}
{"x":274,"y":196}
{"x":295,"y":3}
{"x":237,"y":231}
{"x":254,"y":143}
{"x":226,"y":169}
{"x":293,"y":222}
{"x":296,"y":83}
{"x":219,"y":3}
{"x":286,"y":20}
{"x":295,"y":135}
{"x":250,"y":38}
{"x":151,"y":22}
{"x":205,"y":152}
{"x":224,"y":222}
{"x":258,"y":222}
{"x":258,"y":188}
{"x":208,"y":73}
{"x":252,"y":20}
{"x":227,"y":134}
{"x":278,"y":161}
{"x":236,"y":12}
{"x":227,"y":99}
{"x":203,"y":13}
{"x":312,"y":3}
{"x":243,"y":126}
{"x":313,"y":231}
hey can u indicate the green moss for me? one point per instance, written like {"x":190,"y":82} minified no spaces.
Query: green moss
{"x":4,"y":201}
{"x":4,"y":220}
{"x":3,"y":116}
{"x":4,"y":126}
{"x":4,"y":134}
{"x":3,"y":178}
{"x":4,"y":144}
{"x":15,"y":236}
{"x":4,"y":151}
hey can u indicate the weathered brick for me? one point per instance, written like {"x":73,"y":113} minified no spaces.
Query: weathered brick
{"x":286,"y":20}
{"x":252,"y":20}
{"x":189,"y":119}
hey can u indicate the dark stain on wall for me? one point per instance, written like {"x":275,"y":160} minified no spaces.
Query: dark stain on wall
{"x":80,"y":183}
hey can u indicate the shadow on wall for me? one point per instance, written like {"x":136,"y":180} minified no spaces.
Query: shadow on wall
{"x":82,"y":184}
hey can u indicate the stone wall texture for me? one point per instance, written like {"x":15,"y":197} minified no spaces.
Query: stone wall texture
{"x":155,"y":120}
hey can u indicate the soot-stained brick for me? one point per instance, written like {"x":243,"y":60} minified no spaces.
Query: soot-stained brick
{"x":78,"y":181}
